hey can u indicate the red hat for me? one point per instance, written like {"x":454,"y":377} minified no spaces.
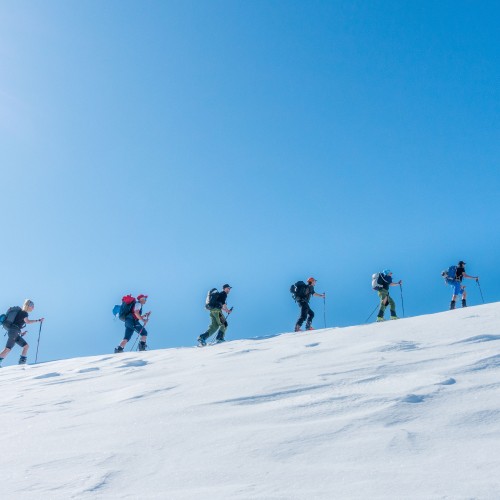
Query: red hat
{"x":141,"y":296}
{"x":309,"y":280}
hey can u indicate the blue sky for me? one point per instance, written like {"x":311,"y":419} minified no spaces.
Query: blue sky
{"x":166,"y":147}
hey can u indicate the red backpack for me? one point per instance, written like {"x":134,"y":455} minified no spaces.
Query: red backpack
{"x":128,"y":303}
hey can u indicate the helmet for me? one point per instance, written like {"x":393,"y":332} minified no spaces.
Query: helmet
{"x":386,"y":271}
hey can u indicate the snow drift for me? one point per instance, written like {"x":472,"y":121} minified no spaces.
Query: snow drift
{"x":402,"y":409}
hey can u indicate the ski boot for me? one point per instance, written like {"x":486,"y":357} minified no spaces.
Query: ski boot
{"x":452,"y":305}
{"x":380,"y":319}
{"x":201,"y":342}
{"x":394,"y":317}
{"x":118,"y":349}
{"x":464,"y":304}
{"x":142,"y":346}
{"x":297,"y":328}
{"x":22,"y":360}
{"x":219,"y":341}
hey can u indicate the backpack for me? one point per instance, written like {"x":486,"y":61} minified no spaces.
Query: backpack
{"x":376,"y":281}
{"x":127,"y":306}
{"x":450,"y":273}
{"x":116,"y":310}
{"x":299,"y":291}
{"x":211,"y":300}
{"x":9,"y":317}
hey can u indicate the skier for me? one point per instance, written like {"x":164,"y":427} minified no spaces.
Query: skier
{"x":132,"y":324}
{"x":217,"y":319}
{"x":16,"y":320}
{"x":384,"y":281}
{"x":306,"y":313}
{"x":456,"y":284}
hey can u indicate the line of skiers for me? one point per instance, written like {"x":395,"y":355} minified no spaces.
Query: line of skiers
{"x":130,"y":310}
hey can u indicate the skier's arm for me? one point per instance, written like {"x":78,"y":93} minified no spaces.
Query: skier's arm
{"x":400,"y":282}
{"x":465,"y":275}
{"x":29,"y":321}
{"x":322,"y":295}
{"x":138,"y":316}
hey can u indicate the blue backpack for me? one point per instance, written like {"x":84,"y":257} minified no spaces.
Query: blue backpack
{"x":450,"y":274}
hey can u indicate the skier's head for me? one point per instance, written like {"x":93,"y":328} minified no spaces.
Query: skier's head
{"x":28,"y":305}
{"x":142,"y":298}
{"x":311,"y":280}
{"x":226,"y":288}
{"x":461,"y":263}
{"x":386,"y":272}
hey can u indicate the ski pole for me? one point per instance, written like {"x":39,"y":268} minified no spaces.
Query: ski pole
{"x":227,"y":316}
{"x":135,"y":341}
{"x":230,"y":311}
{"x":38,"y":343}
{"x":480,"y":291}
{"x":402,"y":301}
{"x":324,"y":308}
{"x":137,"y":338}
{"x":366,"y":320}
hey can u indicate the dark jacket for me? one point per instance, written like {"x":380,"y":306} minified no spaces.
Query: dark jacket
{"x":385,"y":280}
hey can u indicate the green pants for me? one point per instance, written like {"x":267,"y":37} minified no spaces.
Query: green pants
{"x":386,"y":299}
{"x":217,"y":322}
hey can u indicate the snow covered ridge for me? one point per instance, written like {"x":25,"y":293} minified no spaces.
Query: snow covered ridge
{"x":406,"y":409}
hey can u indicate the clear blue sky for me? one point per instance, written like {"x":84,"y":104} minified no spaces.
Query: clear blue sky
{"x":166,"y":147}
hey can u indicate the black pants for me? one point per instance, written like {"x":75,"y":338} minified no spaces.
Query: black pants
{"x":305,"y":312}
{"x":131,"y":326}
{"x":15,"y":338}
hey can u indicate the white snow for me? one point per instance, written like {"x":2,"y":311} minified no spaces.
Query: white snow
{"x":405,"y":409}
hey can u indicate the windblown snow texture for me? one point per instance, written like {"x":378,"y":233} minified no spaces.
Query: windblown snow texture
{"x":402,"y":410}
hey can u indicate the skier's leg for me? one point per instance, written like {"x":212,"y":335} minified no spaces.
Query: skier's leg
{"x":129,"y":331}
{"x":22,"y":343}
{"x":141,"y":330}
{"x":304,"y":309}
{"x":4,"y":353}
{"x":215,"y":324}
{"x":13,"y":333}
{"x":383,"y":304}
{"x":392,"y":307}
{"x":310,"y":316}
{"x":223,"y":327}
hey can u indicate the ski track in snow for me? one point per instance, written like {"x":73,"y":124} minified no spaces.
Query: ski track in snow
{"x":403,"y":410}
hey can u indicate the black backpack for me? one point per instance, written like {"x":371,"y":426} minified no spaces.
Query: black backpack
{"x":9,"y":317}
{"x":299,"y":291}
{"x":212,"y":299}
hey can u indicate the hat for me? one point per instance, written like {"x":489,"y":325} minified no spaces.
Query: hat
{"x":311,"y":279}
{"x":386,"y":271}
{"x":226,"y":286}
{"x":141,"y":296}
{"x":461,"y":263}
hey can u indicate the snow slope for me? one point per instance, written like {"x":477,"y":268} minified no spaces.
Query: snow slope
{"x":405,"y":409}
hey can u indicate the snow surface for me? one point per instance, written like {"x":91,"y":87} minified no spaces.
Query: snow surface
{"x":405,"y":409}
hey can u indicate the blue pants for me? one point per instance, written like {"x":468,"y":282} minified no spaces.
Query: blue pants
{"x":132,"y":325}
{"x":456,"y":286}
